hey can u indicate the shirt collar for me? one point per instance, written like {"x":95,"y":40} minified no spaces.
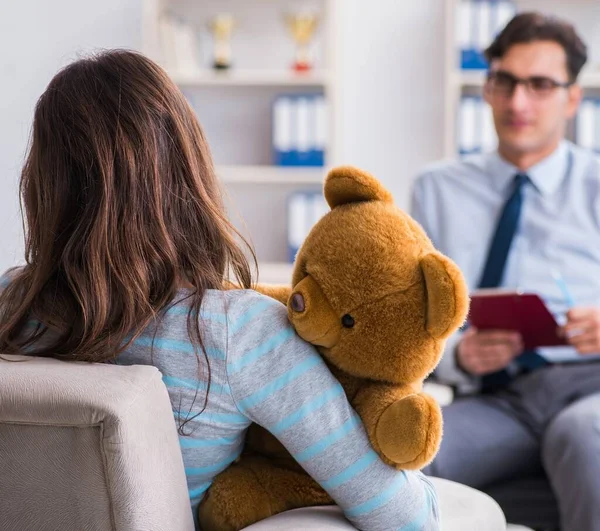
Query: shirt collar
{"x":546,"y":175}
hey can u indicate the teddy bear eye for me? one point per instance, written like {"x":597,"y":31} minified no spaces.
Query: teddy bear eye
{"x":347,"y":321}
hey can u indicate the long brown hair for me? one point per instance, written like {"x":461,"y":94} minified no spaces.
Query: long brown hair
{"x":121,"y":206}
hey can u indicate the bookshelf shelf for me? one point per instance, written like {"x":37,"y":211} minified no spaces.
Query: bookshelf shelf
{"x":474,"y":78}
{"x":275,"y":272}
{"x":271,"y":174}
{"x":250,"y":78}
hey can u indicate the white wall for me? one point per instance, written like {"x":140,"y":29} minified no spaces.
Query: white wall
{"x":37,"y":37}
{"x":392,"y":68}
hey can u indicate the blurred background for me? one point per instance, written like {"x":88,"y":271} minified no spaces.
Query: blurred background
{"x":285,"y":89}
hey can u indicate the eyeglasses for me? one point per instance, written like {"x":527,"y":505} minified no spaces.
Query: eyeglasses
{"x":503,"y":83}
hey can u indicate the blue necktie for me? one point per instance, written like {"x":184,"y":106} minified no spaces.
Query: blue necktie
{"x":493,"y":273}
{"x":503,"y":237}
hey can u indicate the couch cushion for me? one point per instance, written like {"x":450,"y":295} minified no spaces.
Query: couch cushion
{"x":465,"y":509}
{"x":88,"y":446}
{"x":461,"y":508}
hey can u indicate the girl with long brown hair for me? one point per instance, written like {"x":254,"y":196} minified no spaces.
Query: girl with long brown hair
{"x":127,"y":251}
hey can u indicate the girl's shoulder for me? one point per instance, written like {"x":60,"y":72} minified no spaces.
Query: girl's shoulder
{"x":249,"y":315}
{"x":243,"y":303}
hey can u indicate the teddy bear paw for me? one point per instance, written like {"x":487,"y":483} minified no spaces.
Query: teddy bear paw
{"x":409,"y":431}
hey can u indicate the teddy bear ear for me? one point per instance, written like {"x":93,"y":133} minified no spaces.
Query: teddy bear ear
{"x":447,"y":295}
{"x":347,"y":184}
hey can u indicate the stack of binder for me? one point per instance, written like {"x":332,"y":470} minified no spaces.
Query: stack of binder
{"x":299,"y":130}
{"x":304,"y":210}
{"x":478,"y":23}
{"x":588,"y":124}
{"x":476,"y":132}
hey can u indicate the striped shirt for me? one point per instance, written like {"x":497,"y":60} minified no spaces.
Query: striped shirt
{"x":261,"y":371}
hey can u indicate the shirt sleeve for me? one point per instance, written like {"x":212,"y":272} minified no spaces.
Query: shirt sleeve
{"x":281,"y":382}
{"x":448,"y":372}
{"x":424,"y":212}
{"x":417,"y":204}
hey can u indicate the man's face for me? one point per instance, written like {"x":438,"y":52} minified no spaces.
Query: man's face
{"x":531,"y":116}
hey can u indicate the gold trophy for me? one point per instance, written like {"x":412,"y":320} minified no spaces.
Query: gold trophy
{"x":302,"y":26}
{"x":222,"y":27}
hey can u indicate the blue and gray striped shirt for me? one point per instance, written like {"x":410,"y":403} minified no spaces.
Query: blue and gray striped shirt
{"x":261,"y":371}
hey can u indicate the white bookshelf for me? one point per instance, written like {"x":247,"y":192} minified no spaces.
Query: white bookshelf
{"x":584,"y":14}
{"x":234,"y":107}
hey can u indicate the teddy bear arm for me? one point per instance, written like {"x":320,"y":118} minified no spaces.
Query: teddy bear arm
{"x":372,"y":400}
{"x":404,"y":424}
{"x":279,"y":293}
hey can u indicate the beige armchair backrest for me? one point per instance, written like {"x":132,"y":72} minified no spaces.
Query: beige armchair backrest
{"x":88,"y":447}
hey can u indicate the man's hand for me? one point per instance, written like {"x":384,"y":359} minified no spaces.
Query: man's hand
{"x":583,"y":329}
{"x":485,"y":352}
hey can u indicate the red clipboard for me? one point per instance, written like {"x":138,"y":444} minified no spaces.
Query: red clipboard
{"x":511,"y":310}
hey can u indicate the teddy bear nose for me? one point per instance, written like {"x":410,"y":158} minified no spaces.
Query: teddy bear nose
{"x":298,"y":302}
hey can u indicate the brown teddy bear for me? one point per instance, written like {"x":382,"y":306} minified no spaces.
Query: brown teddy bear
{"x":372,"y":293}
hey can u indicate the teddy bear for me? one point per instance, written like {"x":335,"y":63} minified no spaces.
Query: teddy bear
{"x":370,"y":291}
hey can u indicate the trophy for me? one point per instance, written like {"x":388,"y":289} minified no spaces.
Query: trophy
{"x":222,"y":27}
{"x":302,"y":26}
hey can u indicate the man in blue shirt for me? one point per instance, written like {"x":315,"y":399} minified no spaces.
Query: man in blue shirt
{"x":521,"y":218}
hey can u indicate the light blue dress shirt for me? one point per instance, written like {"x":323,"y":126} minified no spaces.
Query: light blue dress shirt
{"x":458,"y":204}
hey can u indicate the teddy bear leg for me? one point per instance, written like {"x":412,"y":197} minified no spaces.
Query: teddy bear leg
{"x":409,"y":431}
{"x":254,"y":489}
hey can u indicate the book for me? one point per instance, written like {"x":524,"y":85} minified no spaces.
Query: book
{"x":477,"y":24}
{"x":476,"y":132}
{"x":299,"y":134}
{"x":526,"y":313}
{"x":305,"y":208}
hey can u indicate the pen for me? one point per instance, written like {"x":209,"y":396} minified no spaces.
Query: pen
{"x":562,"y":285}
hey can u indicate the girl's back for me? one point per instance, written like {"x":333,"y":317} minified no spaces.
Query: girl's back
{"x":261,"y":371}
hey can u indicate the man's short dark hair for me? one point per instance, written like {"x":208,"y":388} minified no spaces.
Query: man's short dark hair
{"x":531,"y":27}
